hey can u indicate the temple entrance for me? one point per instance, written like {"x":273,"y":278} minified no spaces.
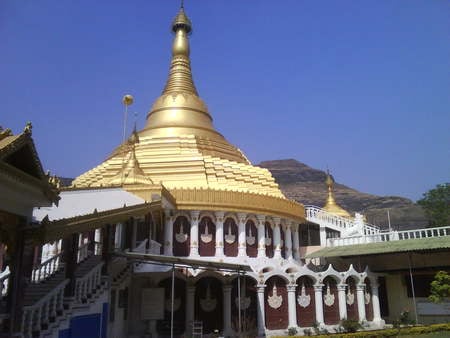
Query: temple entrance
{"x":209,"y":304}
{"x":179,"y":306}
{"x":249,"y":306}
{"x":276,"y":303}
{"x":351,"y":299}
{"x":330,"y":301}
{"x":305,"y":300}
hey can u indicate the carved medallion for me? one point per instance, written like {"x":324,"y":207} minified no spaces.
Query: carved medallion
{"x":229,"y":237}
{"x":208,"y":303}
{"x":245,"y":302}
{"x":176,"y":304}
{"x":350,"y":297}
{"x":181,"y":237}
{"x":206,"y":237}
{"x":303,"y":299}
{"x":275,"y":300}
{"x":328,"y":297}
{"x":250,"y":238}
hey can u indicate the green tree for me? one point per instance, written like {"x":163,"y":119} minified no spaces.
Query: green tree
{"x":436,"y":204}
{"x":440,"y":287}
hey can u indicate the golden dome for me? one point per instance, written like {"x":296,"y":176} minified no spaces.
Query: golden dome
{"x":331,"y":206}
{"x":180,"y":150}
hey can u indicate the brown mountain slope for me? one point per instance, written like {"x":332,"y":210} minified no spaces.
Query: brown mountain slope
{"x":307,"y":185}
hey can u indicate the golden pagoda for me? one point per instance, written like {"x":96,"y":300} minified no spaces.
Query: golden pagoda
{"x":179,"y":149}
{"x":331,"y":206}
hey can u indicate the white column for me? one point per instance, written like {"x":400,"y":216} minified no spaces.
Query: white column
{"x":291,"y":305}
{"x":319,"y":303}
{"x":168,"y":233}
{"x":288,"y":240}
{"x":260,"y":311}
{"x":342,"y":301}
{"x":375,"y":303}
{"x":242,"y":243}
{"x":194,"y":233}
{"x":219,"y":233}
{"x":361,"y":303}
{"x":296,"y":242}
{"x":323,"y":236}
{"x":227,"y":310}
{"x":261,"y":236}
{"x":190,"y":305}
{"x":277,"y":238}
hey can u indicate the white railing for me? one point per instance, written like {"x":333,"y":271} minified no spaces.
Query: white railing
{"x":85,"y":286}
{"x":324,"y":218}
{"x":4,"y":281}
{"x":46,"y":268}
{"x":46,"y":308}
{"x":141,"y":247}
{"x":83,"y":252}
{"x":390,"y":236}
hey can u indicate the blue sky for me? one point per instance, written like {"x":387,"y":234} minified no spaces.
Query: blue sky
{"x":359,"y":86}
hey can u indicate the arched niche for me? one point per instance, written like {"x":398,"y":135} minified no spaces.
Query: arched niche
{"x":330,"y":301}
{"x":368,"y":300}
{"x":230,"y":236}
{"x":282,"y":242}
{"x":181,"y":236}
{"x":251,"y":238}
{"x":207,"y":237}
{"x":249,"y":306}
{"x":179,"y":306}
{"x":305,"y":302}
{"x":269,"y":239}
{"x":276,"y":303}
{"x":209,"y":304}
{"x":351,"y":301}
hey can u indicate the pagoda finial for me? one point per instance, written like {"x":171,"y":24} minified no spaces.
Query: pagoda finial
{"x":180,"y":75}
{"x":331,"y":205}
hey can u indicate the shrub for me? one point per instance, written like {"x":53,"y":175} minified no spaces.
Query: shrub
{"x":350,"y":325}
{"x":292,"y":331}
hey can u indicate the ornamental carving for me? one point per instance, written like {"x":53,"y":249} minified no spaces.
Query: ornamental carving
{"x":181,"y":237}
{"x":350,"y":297}
{"x":303,"y":299}
{"x":208,"y":303}
{"x":250,"y":238}
{"x":366,"y":297}
{"x":245,"y":302}
{"x":176,"y":304}
{"x":275,"y":300}
{"x":229,"y":237}
{"x":268,"y":239}
{"x":206,"y":237}
{"x":328,"y":297}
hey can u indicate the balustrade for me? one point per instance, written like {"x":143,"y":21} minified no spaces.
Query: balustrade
{"x":83,"y":252}
{"x":86,"y":285}
{"x":47,"y":268}
{"x":39,"y":315}
{"x":390,"y":236}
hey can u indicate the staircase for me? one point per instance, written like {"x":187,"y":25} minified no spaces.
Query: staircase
{"x":46,"y":309}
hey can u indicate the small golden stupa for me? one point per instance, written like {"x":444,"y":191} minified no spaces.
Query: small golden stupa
{"x":331,"y":206}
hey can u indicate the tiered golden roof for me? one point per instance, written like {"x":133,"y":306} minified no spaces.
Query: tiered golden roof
{"x":179,"y":146}
{"x":331,"y":206}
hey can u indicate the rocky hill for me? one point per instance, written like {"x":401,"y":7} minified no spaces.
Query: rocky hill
{"x":307,"y":186}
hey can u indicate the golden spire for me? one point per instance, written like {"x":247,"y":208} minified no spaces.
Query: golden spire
{"x":331,"y":206}
{"x":179,"y":110}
